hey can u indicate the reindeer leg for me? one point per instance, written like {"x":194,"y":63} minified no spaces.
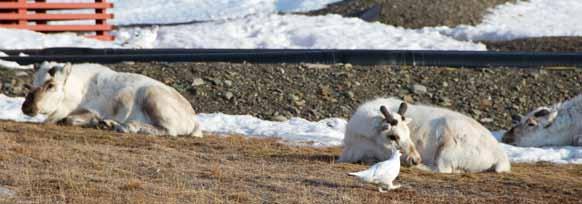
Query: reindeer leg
{"x":81,"y":117}
{"x":135,"y":127}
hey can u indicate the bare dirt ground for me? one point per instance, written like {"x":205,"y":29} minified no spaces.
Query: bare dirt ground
{"x":55,"y":164}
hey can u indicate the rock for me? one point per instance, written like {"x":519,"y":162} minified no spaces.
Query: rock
{"x":418,"y":89}
{"x":279,"y":118}
{"x":21,"y":74}
{"x":228,"y":95}
{"x":299,"y":103}
{"x":445,"y":84}
{"x":128,"y":62}
{"x":228,"y":83}
{"x":476,"y":112}
{"x":348,"y":66}
{"x":486,"y":120}
{"x":316,"y":66}
{"x":4,"y":192}
{"x":198,"y":82}
{"x":215,"y":81}
{"x":325,"y":90}
{"x":349,"y":95}
{"x":293,"y":97}
{"x":444,"y":101}
{"x":408,"y":99}
{"x":485,"y":103}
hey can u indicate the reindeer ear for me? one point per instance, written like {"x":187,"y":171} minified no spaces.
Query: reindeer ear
{"x":402,"y":109}
{"x":61,"y":72}
{"x":542,"y":113}
{"x":387,"y":116}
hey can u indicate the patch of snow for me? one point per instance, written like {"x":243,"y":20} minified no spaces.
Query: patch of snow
{"x":10,"y":110}
{"x":266,"y":31}
{"x":327,"y":132}
{"x":302,"y":5}
{"x":24,"y":39}
{"x":296,"y":31}
{"x":324,"y":133}
{"x":523,"y":19}
{"x":129,"y":12}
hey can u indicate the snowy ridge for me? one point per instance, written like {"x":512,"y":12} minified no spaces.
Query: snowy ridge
{"x":524,"y":19}
{"x":297,"y":131}
{"x":295,"y":31}
{"x":128,"y":12}
{"x":255,"y":24}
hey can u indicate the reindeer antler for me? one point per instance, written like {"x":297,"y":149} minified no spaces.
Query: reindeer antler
{"x":387,"y":116}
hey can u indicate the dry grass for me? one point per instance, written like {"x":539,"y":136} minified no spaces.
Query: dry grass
{"x":51,"y":164}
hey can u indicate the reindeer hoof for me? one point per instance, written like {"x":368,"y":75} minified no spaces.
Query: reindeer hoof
{"x":108,"y":125}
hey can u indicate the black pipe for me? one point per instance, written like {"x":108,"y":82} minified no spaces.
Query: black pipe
{"x":360,"y":57}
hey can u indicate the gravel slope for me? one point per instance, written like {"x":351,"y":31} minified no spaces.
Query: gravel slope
{"x":418,"y":13}
{"x":278,"y":91}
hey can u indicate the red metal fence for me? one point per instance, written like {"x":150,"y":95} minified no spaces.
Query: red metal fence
{"x":33,"y":15}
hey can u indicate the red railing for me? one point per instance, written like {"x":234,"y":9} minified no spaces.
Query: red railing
{"x":33,"y":16}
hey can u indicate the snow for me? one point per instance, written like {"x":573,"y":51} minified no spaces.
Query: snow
{"x":302,"y":5}
{"x":255,"y":24}
{"x":298,"y":131}
{"x":10,"y":110}
{"x":296,"y":31}
{"x":129,"y":12}
{"x":24,"y":39}
{"x":11,"y":65}
{"x":523,"y":19}
{"x":327,"y":132}
{"x":262,"y":31}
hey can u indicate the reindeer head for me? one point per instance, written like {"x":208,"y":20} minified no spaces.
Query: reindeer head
{"x":47,"y":91}
{"x":531,"y":130}
{"x":394,"y":127}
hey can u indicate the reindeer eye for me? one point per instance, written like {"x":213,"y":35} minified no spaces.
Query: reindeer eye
{"x":394,"y":137}
{"x":50,"y":86}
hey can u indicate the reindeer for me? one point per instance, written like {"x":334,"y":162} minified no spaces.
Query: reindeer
{"x":447,"y":141}
{"x":558,"y":125}
{"x":92,"y":94}
{"x":373,"y":132}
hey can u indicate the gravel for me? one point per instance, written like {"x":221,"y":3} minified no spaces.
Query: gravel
{"x":418,"y":13}
{"x":277,"y":91}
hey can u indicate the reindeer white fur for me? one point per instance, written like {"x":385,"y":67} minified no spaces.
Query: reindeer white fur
{"x":557,"y":125}
{"x":447,"y":141}
{"x":86,"y":94}
{"x":373,"y":133}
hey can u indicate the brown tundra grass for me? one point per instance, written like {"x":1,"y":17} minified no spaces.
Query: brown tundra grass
{"x":53,"y":164}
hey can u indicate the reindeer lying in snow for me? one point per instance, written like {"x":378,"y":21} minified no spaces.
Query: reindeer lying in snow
{"x":560,"y":124}
{"x":92,"y":94}
{"x":447,"y":141}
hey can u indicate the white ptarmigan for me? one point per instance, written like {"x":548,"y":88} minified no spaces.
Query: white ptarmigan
{"x":382,"y":173}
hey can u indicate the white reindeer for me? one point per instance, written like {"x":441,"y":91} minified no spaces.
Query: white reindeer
{"x":449,"y":142}
{"x":372,"y":132}
{"x":91,"y":94}
{"x":558,"y":125}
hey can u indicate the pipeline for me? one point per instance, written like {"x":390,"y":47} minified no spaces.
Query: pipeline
{"x":469,"y":59}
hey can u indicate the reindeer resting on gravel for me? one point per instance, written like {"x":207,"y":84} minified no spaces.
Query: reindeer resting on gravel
{"x":558,"y":125}
{"x":92,"y":95}
{"x":447,"y":141}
